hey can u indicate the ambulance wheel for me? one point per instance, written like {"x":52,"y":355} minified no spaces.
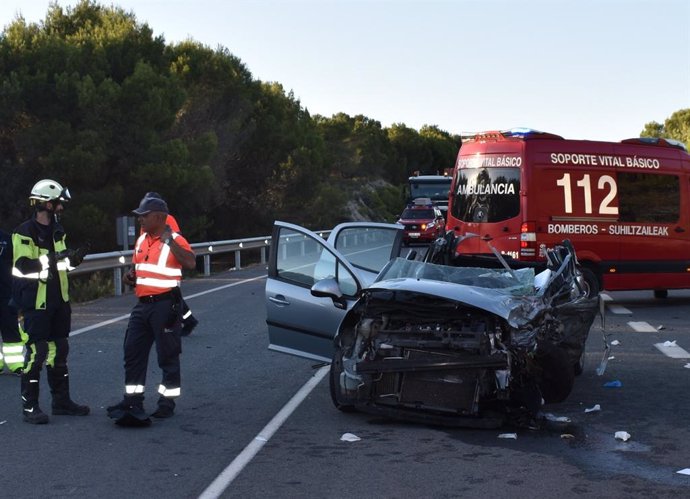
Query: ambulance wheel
{"x":591,"y":282}
{"x":661,"y":293}
{"x":340,"y":400}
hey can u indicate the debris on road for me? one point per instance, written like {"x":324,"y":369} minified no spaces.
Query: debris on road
{"x":556,"y":419}
{"x":615,"y":342}
{"x":622,"y":435}
{"x":350,"y":437}
{"x":613,"y":384}
{"x":508,"y":435}
{"x":595,"y":408}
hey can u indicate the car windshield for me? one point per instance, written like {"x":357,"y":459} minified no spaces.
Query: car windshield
{"x":436,"y":190}
{"x":496,"y":279}
{"x":417,"y":214}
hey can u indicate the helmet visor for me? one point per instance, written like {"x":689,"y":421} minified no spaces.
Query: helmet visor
{"x":64,"y":195}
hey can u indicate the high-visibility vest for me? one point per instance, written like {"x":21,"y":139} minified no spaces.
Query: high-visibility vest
{"x":31,"y":264}
{"x":157,"y":269}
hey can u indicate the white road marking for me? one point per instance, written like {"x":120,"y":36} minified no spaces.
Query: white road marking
{"x":642,"y":327}
{"x":619,"y":309}
{"x":605,"y":297}
{"x":126,"y":316}
{"x":226,"y":477}
{"x":673,"y":351}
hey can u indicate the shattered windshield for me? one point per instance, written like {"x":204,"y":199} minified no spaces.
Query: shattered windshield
{"x":496,"y":279}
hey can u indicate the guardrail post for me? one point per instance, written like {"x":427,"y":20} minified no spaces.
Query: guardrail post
{"x":238,"y":262}
{"x":117,"y":279}
{"x":207,"y":265}
{"x":264,"y":258}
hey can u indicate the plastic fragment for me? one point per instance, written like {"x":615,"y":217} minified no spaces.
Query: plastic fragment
{"x":622,"y":435}
{"x":350,"y":437}
{"x":567,"y":436}
{"x":613,"y":384}
{"x":670,"y":343}
{"x":556,"y":419}
{"x":615,"y":342}
{"x":595,"y":408}
{"x":687,"y":366}
{"x":3,"y":422}
{"x":612,"y":357}
{"x":684,"y":471}
{"x":660,"y":327}
{"x":508,"y":435}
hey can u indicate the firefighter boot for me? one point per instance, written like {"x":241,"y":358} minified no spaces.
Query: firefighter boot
{"x":32,"y":413}
{"x":129,"y":412}
{"x":63,"y":405}
{"x":166,"y":408}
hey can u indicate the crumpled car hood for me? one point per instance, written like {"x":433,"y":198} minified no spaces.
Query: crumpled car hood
{"x":516,"y":310}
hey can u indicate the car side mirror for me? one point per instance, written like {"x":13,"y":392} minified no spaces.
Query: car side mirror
{"x":329,"y":288}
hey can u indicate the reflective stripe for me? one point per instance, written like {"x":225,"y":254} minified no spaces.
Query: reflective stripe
{"x":64,"y":265}
{"x":157,"y":283}
{"x":189,"y":312}
{"x":12,"y":349}
{"x":158,"y":269}
{"x":155,"y":267}
{"x":134,"y":389}
{"x":43,"y":274}
{"x":13,"y":359}
{"x":168,"y":392}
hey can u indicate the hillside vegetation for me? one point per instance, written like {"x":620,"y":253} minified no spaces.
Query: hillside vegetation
{"x":91,"y":98}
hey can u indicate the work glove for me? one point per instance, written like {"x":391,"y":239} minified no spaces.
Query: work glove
{"x":77,"y":256}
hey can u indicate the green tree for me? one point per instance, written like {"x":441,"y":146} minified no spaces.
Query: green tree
{"x":676,"y":127}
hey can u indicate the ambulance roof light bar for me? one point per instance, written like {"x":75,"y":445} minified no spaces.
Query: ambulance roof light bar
{"x":656,"y":141}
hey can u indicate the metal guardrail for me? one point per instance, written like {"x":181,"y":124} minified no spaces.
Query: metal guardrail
{"x":118,"y":260}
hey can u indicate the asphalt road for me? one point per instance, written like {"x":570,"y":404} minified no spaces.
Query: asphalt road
{"x":234,"y":389}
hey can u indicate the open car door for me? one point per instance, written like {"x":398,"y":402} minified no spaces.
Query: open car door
{"x":301,"y":323}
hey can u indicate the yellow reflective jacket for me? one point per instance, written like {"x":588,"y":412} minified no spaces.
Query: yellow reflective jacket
{"x":32,"y":262}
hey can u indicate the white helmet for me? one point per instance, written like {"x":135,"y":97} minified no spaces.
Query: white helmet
{"x":48,"y":190}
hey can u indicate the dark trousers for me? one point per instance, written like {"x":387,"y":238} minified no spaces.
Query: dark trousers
{"x":47,"y":332}
{"x":151,"y":323}
{"x":8,"y":322}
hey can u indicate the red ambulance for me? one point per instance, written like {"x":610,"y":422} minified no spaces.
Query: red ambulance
{"x":624,"y":205}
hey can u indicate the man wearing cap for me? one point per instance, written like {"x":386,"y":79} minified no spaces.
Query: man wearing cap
{"x":160,"y":254}
{"x":189,"y":322}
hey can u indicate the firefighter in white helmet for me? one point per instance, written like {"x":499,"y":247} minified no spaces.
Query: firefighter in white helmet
{"x":40,"y":290}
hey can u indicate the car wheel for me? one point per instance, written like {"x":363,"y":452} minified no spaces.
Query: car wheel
{"x":340,"y":401}
{"x":591,"y":282}
{"x":661,"y":293}
{"x":557,"y":377}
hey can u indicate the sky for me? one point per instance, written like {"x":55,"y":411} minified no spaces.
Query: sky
{"x":584,"y":69}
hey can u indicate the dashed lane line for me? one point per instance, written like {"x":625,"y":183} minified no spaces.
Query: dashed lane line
{"x":615,"y":309}
{"x":619,"y":310}
{"x":672,"y":350}
{"x":642,"y":327}
{"x":126,"y":316}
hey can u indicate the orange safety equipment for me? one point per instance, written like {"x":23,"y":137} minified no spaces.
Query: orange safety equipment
{"x":157,"y":270}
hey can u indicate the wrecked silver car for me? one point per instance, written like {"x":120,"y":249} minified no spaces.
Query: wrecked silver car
{"x":435,"y":343}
